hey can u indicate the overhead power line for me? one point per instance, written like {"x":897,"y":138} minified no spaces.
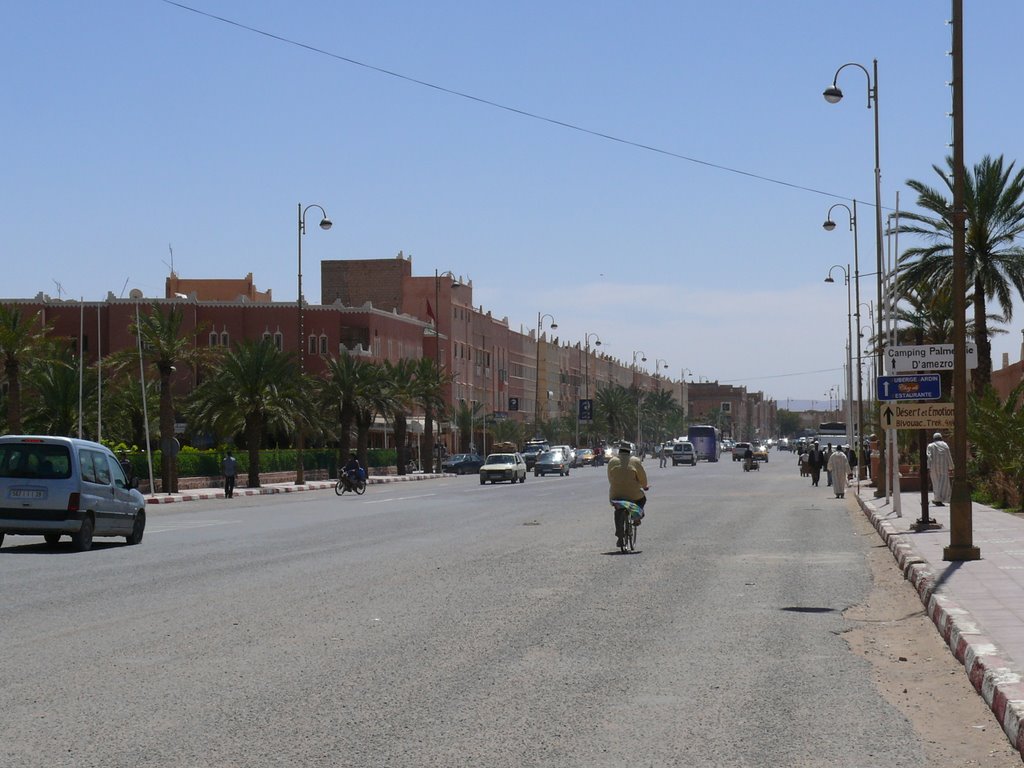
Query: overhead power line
{"x":505,"y":107}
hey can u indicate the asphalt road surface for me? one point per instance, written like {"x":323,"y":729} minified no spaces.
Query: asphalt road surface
{"x":444,"y":623}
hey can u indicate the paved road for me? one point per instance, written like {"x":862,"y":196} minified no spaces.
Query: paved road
{"x":447,"y":624}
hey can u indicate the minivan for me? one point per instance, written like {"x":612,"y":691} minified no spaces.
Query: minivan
{"x":56,"y":486}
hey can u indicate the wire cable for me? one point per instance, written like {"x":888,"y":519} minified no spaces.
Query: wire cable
{"x":514,"y":110}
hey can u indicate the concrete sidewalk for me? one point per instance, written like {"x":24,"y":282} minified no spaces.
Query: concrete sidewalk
{"x":977,"y":606}
{"x":270,"y":488}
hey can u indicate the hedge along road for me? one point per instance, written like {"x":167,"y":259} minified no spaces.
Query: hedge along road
{"x":446,"y":623}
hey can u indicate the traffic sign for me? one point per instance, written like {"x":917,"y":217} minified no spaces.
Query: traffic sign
{"x":926,"y":357}
{"x":917,"y":415}
{"x":925,"y":386}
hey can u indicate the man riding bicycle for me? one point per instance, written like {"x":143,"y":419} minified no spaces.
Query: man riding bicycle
{"x":627,"y":481}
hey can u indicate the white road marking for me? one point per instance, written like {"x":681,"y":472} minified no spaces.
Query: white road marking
{"x":399,"y":498}
{"x":180,"y":525}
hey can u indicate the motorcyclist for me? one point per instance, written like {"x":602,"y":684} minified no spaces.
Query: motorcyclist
{"x":748,"y":458}
{"x":352,"y":470}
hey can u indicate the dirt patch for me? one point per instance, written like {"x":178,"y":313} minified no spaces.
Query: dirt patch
{"x":915,"y":671}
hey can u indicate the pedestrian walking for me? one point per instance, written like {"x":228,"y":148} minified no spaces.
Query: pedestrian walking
{"x":802,"y":461}
{"x":815,"y":461}
{"x":940,"y":464}
{"x":839,"y":468}
{"x":229,"y":467}
{"x":662,"y":457}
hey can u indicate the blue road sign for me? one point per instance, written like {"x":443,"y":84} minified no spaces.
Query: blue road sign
{"x":921,"y":386}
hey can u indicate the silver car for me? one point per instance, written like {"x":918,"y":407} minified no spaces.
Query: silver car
{"x":54,"y":486}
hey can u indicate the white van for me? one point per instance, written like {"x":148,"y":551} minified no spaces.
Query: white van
{"x":54,"y":486}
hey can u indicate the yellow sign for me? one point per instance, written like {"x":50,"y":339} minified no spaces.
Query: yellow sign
{"x":899,"y":415}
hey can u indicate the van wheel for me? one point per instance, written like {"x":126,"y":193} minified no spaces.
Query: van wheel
{"x":51,"y":538}
{"x":82,"y":540}
{"x":138,"y":528}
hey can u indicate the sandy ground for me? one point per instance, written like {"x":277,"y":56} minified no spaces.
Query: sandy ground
{"x":916,"y":672}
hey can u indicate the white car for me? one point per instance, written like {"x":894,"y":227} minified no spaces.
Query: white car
{"x":683,"y":453}
{"x":499,"y":467}
{"x":62,"y":486}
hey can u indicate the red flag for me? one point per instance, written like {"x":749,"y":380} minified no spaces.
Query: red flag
{"x":430,"y":313}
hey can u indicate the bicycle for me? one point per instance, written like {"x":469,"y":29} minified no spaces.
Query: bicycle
{"x":355,"y":484}
{"x":634,"y":514}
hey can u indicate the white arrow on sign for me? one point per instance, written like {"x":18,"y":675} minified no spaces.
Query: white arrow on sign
{"x":926,"y":357}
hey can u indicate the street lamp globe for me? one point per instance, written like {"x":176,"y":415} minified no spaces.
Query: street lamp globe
{"x":326,"y":223}
{"x":829,"y":225}
{"x":833,"y":94}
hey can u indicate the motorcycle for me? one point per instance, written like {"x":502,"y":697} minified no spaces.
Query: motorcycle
{"x":350,"y":481}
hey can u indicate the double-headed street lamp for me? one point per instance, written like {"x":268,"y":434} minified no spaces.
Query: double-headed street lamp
{"x":435,"y":315}
{"x":636,"y":381}
{"x":858,"y":437}
{"x":536,"y":402}
{"x":832,"y":95}
{"x":828,"y":226}
{"x":325,"y":224}
{"x":586,"y":379}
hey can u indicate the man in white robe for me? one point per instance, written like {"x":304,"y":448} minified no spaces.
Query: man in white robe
{"x":940,"y":464}
{"x":839,"y":468}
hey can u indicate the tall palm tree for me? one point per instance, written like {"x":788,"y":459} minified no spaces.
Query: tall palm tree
{"x":53,"y":406}
{"x":338,"y":393}
{"x":430,"y":383}
{"x":255,"y":388}
{"x":994,"y":197}
{"x":616,"y":405}
{"x":165,"y":346}
{"x":466,"y":414}
{"x":400,"y":384}
{"x":371,"y":400}
{"x":21,"y":339}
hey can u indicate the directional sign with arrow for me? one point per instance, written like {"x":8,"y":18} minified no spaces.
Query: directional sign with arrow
{"x":925,"y":386}
{"x":917,"y":416}
{"x":927,"y":357}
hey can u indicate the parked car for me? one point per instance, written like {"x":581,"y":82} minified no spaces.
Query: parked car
{"x":532,"y":450}
{"x":57,"y":486}
{"x":462,"y":463}
{"x":585,"y":456}
{"x":684,"y":453}
{"x":498,"y":467}
{"x":550,"y":462}
{"x":738,"y":449}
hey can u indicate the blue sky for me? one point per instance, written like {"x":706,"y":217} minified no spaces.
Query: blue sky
{"x":135,"y":126}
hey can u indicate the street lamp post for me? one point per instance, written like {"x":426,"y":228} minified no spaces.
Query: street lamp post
{"x":536,"y":403}
{"x":832,"y":95}
{"x":586,"y":379}
{"x":643,"y":358}
{"x":828,"y":226}
{"x":325,"y":224}
{"x":436,"y":312}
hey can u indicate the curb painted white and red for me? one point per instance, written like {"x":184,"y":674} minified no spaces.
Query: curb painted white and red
{"x":992,"y":675}
{"x":266,"y":490}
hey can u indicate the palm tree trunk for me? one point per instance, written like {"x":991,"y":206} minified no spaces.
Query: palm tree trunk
{"x":253,"y":430}
{"x":166,"y":434}
{"x":401,"y":435}
{"x":12,"y":370}
{"x":981,"y":377}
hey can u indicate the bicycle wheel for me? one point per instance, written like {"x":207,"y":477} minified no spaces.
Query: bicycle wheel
{"x":339,"y":487}
{"x":628,"y":535}
{"x":360,"y":487}
{"x":631,"y":538}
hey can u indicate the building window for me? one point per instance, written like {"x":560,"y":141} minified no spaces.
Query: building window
{"x":279,"y":341}
{"x":312,"y":345}
{"x":213,"y":338}
{"x":225,"y":340}
{"x":323,"y":344}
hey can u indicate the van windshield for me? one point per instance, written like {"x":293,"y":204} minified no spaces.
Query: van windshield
{"x":35,"y":460}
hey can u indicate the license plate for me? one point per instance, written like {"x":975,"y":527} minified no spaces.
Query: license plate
{"x":26,"y":493}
